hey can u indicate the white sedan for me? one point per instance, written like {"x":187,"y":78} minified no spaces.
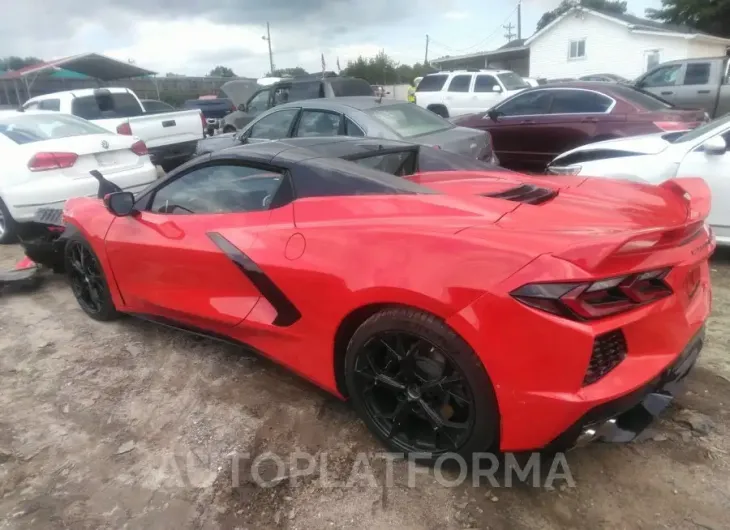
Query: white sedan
{"x":701,"y":152}
{"x":46,"y":159}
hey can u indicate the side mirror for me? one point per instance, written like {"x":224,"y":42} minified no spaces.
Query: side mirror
{"x":242,"y":107}
{"x":493,"y":114}
{"x":120,"y":203}
{"x":715,"y":146}
{"x":496,"y":88}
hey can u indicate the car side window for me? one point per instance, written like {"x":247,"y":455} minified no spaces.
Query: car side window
{"x":485,"y":83}
{"x":224,"y":188}
{"x":31,"y":106}
{"x":50,"y":104}
{"x":579,"y":102}
{"x":259,"y":102}
{"x":460,"y":83}
{"x":274,"y":126}
{"x":697,"y":74}
{"x":527,"y":104}
{"x":319,"y":123}
{"x":663,"y":76}
{"x":351,"y":129}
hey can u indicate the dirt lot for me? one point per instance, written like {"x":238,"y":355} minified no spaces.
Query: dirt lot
{"x":129,"y":425}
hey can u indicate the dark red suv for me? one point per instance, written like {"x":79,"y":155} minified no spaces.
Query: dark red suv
{"x":531,"y":128}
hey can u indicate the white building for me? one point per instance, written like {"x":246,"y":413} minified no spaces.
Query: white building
{"x":585,"y":41}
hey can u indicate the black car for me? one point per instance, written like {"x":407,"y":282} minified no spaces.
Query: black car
{"x":252,"y":99}
{"x":214,"y":109}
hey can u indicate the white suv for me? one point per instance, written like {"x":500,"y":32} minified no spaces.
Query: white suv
{"x":466,"y":91}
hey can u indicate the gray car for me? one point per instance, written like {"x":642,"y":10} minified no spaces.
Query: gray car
{"x":358,"y":116}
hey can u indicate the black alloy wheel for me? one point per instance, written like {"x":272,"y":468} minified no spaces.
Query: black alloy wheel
{"x":87,"y":280}
{"x":416,"y":387}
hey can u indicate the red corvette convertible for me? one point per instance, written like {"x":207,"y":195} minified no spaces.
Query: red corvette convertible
{"x":460,"y":311}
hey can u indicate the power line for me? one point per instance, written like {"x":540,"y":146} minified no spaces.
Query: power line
{"x":481,"y":42}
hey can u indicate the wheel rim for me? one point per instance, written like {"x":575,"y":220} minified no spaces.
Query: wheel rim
{"x":415,"y":394}
{"x":86,"y":280}
{"x":2,"y":224}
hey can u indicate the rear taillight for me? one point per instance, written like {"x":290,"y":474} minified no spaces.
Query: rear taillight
{"x":124,"y":128}
{"x":233,"y":108}
{"x":599,"y":299}
{"x":672,"y":125}
{"x":139,"y":148}
{"x":47,"y":161}
{"x":203,"y":121}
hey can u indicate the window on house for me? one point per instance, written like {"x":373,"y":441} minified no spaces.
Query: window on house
{"x":577,"y":49}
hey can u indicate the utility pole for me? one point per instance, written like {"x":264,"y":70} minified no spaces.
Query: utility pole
{"x":267,"y":38}
{"x":519,"y":19}
{"x":509,"y":35}
{"x":425,"y":60}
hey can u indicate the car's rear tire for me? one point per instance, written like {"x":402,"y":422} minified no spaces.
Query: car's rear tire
{"x":440,"y":110}
{"x":87,"y":280}
{"x":229,"y":129}
{"x":8,"y":226}
{"x":420,"y":387}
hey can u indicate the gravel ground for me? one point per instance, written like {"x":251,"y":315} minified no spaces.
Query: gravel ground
{"x":130,"y":425}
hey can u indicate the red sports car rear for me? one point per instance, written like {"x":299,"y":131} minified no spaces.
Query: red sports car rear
{"x":459,"y":311}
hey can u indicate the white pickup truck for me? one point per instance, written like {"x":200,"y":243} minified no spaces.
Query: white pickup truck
{"x":170,"y":137}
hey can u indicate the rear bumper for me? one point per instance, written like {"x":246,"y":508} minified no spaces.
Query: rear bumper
{"x":166,"y":154}
{"x":624,"y":419}
{"x":26,"y":199}
{"x":537,"y":362}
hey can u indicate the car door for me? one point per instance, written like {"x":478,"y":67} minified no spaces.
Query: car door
{"x":315,"y":122}
{"x":577,"y":117}
{"x":697,"y":89}
{"x":516,"y":129}
{"x":273,"y":126}
{"x":715,"y":170}
{"x":663,"y":81}
{"x":458,"y":98}
{"x":487,"y":92}
{"x":182,"y":255}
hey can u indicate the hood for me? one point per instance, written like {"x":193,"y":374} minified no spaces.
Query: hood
{"x":649,"y":144}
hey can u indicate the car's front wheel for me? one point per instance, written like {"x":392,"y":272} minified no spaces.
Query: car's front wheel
{"x":419,"y":386}
{"x":87,"y":279}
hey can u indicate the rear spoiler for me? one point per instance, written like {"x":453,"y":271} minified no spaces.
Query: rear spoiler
{"x":695,"y":195}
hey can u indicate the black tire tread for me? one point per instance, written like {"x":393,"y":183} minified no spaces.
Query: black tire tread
{"x":439,"y":333}
{"x":10,"y":235}
{"x":109,"y":311}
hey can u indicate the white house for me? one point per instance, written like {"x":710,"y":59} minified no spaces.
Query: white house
{"x":585,"y":41}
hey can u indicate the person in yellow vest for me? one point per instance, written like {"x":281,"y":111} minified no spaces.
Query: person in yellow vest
{"x":412,"y":92}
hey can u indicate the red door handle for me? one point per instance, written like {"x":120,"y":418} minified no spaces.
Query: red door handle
{"x":590,"y":120}
{"x":527,"y":121}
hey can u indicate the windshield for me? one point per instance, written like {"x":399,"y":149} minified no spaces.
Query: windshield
{"x":702,"y":129}
{"x":512,"y":81}
{"x":31,"y":128}
{"x":641,"y":98}
{"x":409,"y":120}
{"x":350,"y":87}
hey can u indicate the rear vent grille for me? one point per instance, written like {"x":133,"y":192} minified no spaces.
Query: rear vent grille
{"x":527,"y":193}
{"x":609,"y":350}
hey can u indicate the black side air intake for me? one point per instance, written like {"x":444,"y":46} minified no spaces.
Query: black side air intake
{"x":527,"y":193}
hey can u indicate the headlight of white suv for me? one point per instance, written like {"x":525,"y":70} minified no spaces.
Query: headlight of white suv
{"x":564,"y":170}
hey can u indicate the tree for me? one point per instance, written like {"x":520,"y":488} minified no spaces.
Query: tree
{"x":221,"y":71}
{"x":610,"y":6}
{"x":709,"y":16}
{"x":383,"y":70}
{"x":284,"y":72}
{"x":16,"y":63}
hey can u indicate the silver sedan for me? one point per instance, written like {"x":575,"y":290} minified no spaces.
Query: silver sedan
{"x":359,"y":116}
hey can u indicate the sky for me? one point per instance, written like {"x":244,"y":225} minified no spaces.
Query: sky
{"x":193,"y":36}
